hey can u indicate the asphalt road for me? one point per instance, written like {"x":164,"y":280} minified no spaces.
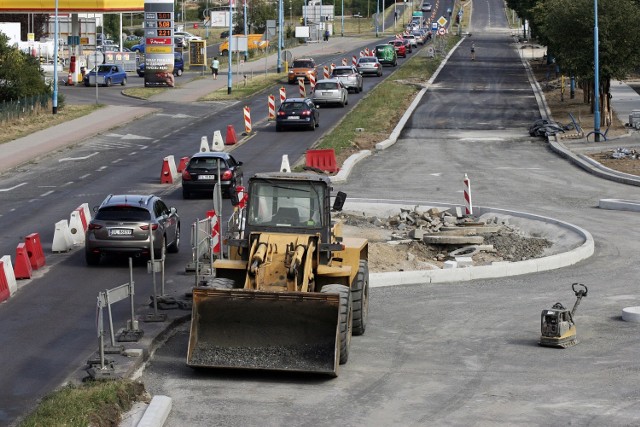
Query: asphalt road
{"x":50,"y":321}
{"x":460,"y":353}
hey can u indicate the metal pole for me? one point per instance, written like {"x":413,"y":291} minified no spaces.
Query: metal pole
{"x":134,"y":323}
{"x":153,"y":270}
{"x":279,"y":67}
{"x":246,"y":52}
{"x":383,"y":16}
{"x":229,"y":71}
{"x":377,"y":15}
{"x":596,"y":75}
{"x":54,"y":101}
{"x":342,"y":19}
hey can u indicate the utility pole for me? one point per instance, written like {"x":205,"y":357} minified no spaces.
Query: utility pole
{"x":596,"y":75}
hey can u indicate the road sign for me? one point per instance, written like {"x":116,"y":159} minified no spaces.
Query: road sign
{"x":442,"y":21}
{"x":434,"y":26}
{"x":441,"y":31}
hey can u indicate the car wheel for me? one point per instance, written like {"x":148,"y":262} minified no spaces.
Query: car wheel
{"x":91,"y":258}
{"x":124,"y":82}
{"x":342,"y":104}
{"x":346,"y":101}
{"x":313,"y":124}
{"x":175,"y":246}
{"x":107,"y":83}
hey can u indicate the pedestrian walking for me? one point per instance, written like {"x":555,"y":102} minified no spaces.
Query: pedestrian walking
{"x":326,"y":35}
{"x":215,"y":65}
{"x":473,"y":51}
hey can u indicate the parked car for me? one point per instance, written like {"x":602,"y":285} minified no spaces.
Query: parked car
{"x":387,"y":54}
{"x":139,"y":48}
{"x":121,"y":226}
{"x":106,"y":75}
{"x":224,"y":34}
{"x":369,"y":65}
{"x":297,"y":112}
{"x":178,"y":65}
{"x":330,"y":91}
{"x":399,"y":46}
{"x":350,"y":77}
{"x":186,"y":36}
{"x":302,"y":67}
{"x":200,"y":175}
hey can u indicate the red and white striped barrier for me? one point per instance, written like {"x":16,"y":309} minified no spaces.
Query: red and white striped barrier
{"x":6,"y":272}
{"x":325,"y":72}
{"x":243,"y":196}
{"x":354,"y":60}
{"x":332,"y":67}
{"x":215,"y":232}
{"x":467,"y":196}
{"x":247,"y":120}
{"x":272,"y":107}
{"x":366,"y":51}
{"x":312,"y":82}
{"x":303,"y":93}
{"x":283,"y":94}
{"x":169,"y":171}
{"x":361,"y":54}
{"x":344,"y":62}
{"x":34,"y":250}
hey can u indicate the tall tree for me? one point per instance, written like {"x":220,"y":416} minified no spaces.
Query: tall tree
{"x":567,"y":28}
{"x":19,"y":73}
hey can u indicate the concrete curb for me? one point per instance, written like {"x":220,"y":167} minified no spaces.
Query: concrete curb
{"x":500,"y":269}
{"x":157,"y":412}
{"x":619,"y":205}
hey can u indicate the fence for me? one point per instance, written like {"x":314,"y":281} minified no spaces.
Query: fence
{"x":23,"y":107}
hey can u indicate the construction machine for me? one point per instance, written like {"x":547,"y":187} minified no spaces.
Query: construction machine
{"x":291,"y":290}
{"x":557,"y":324}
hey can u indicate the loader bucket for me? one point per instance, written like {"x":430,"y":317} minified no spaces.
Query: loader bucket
{"x":247,"y":329}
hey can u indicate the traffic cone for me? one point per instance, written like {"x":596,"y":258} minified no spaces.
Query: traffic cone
{"x":231,"y":135}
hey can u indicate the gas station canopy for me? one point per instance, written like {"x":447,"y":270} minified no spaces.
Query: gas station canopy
{"x":71,"y":6}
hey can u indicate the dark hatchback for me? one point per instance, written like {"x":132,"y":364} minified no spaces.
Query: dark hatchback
{"x":201,"y":173}
{"x":297,"y":112}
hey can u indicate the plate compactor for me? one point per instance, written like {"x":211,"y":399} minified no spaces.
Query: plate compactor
{"x":557,"y":326}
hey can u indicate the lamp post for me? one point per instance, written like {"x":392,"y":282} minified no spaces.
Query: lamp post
{"x":280,"y":16}
{"x":229,"y":72}
{"x":377,"y":15}
{"x":342,"y":19}
{"x":596,"y":75}
{"x":54,"y":101}
{"x":246,"y":52}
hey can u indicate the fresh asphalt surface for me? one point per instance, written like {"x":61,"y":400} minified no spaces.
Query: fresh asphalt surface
{"x":448,"y":354}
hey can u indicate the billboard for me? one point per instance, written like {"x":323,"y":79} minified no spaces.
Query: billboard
{"x":220,"y":18}
{"x":158,"y":50}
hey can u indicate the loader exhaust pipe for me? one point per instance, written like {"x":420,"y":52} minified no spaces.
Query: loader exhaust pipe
{"x":281,"y":331}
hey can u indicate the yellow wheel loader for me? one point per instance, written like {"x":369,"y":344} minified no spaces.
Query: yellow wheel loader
{"x":291,"y":291}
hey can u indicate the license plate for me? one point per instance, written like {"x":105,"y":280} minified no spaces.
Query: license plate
{"x":326,"y":93}
{"x":294,"y":117}
{"x":120,"y":232}
{"x":209,"y":177}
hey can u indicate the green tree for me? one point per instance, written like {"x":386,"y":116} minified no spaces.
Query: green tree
{"x":111,"y":26}
{"x":19,"y":73}
{"x":566,"y":27}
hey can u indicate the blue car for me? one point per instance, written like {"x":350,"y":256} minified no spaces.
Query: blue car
{"x":106,"y":75}
{"x":178,"y":65}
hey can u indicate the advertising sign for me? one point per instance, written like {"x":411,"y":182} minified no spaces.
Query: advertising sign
{"x":159,"y":57}
{"x":197,"y":52}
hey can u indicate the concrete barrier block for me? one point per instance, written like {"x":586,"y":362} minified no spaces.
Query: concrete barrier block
{"x":9,"y":274}
{"x":62,"y":239}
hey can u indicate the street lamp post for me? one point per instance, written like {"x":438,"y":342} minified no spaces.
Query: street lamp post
{"x":246,"y":52}
{"x":55,"y":64}
{"x":377,"y":15}
{"x":229,"y":71}
{"x":342,"y":19}
{"x":596,"y":75}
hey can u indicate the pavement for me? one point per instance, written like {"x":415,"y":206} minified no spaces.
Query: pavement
{"x":624,"y":100}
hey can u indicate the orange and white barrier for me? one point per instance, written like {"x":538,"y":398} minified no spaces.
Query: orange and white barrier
{"x":284,"y":166}
{"x":283,"y":94}
{"x":354,"y":60}
{"x":182,"y":164}
{"x":312,"y":82}
{"x":303,"y":93}
{"x":325,"y":72}
{"x":34,"y":250}
{"x":332,"y":67}
{"x":247,"y":120}
{"x":243,"y":196}
{"x":366,"y":51}
{"x":169,"y":171}
{"x":272,"y":107}
{"x":361,"y":54}
{"x":22,"y":269}
{"x":6,"y":271}
{"x":204,"y":144}
{"x":62,"y":237}
{"x":467,"y":196}
{"x":344,"y":61}
{"x":217,"y":144}
{"x":215,"y":232}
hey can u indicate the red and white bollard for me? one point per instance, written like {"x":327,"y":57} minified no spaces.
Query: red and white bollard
{"x":467,"y":196}
{"x":247,"y":120}
{"x":344,"y":62}
{"x":215,"y":232}
{"x":366,"y":51}
{"x":272,"y":107}
{"x":312,"y":82}
{"x":325,"y":72}
{"x":354,"y":60}
{"x":303,"y":93}
{"x":283,"y":94}
{"x":361,"y":54}
{"x":332,"y":67}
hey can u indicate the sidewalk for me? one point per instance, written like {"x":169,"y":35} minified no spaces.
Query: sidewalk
{"x":41,"y":143}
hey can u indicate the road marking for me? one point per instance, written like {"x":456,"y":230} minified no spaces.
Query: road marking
{"x":436,"y":174}
{"x":68,"y":159}
{"x":176,"y":116}
{"x":117,"y":161}
{"x":101,"y":168}
{"x":12,"y":188}
{"x":128,"y":136}
{"x":85,"y":175}
{"x":67,"y":183}
{"x":46,"y":194}
{"x":133,"y":153}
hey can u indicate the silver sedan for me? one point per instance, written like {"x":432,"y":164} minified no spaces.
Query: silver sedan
{"x":330,"y":91}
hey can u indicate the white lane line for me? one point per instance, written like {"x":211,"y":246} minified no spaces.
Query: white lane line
{"x":144,"y":147}
{"x":116,"y":161}
{"x":101,"y":168}
{"x":66,"y":184}
{"x":46,"y":194}
{"x":68,"y":159}
{"x":85,"y":175}
{"x":12,"y":188}
{"x":133,"y":153}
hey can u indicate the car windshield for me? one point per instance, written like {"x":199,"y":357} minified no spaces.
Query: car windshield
{"x":365,"y":59}
{"x":296,"y":204}
{"x":302,"y":64}
{"x":123,"y":213}
{"x":327,"y":86}
{"x":206,"y":163}
{"x":342,"y":71}
{"x":104,"y":68}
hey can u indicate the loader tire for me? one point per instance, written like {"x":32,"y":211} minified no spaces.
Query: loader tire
{"x":346,"y":318}
{"x":360,"y":299}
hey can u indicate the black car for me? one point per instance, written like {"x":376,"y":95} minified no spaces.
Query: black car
{"x":297,"y":112}
{"x":224,"y":34}
{"x":178,"y":65}
{"x":201,"y":173}
{"x":121,"y":226}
